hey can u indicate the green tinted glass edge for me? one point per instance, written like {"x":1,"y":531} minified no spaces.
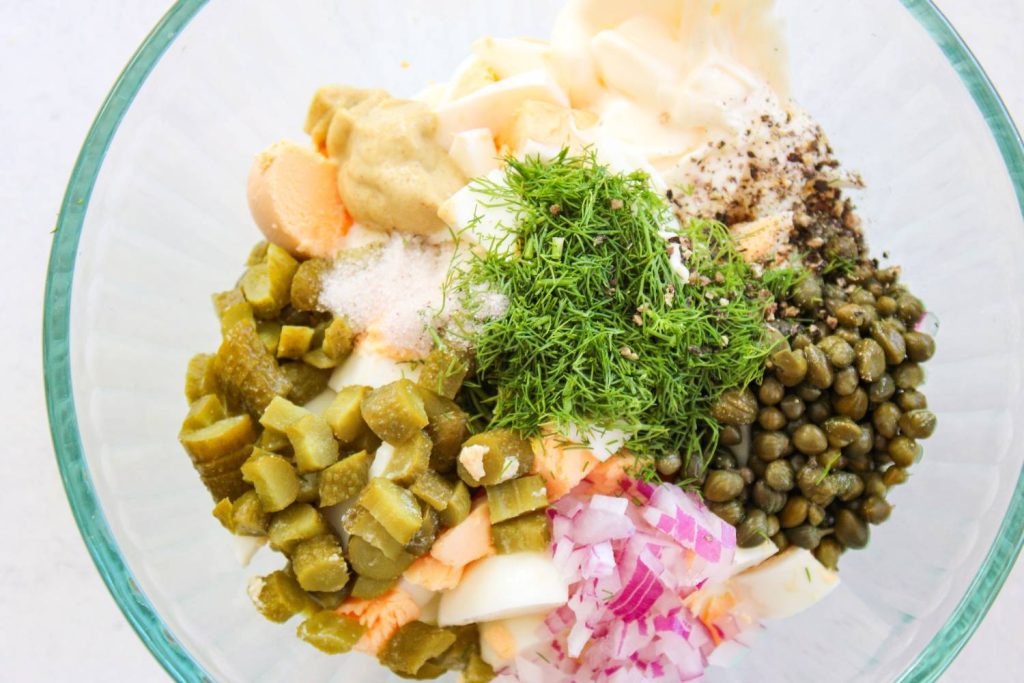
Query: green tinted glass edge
{"x":92,"y":524}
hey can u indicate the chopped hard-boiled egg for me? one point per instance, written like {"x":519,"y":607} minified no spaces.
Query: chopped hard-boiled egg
{"x":473,"y":151}
{"x":370,"y":366}
{"x":746,"y":558}
{"x":785,"y":584}
{"x":506,"y":57}
{"x":503,"y":639}
{"x":488,"y":226}
{"x":246,"y":547}
{"x":472,"y":458}
{"x":381,"y":459}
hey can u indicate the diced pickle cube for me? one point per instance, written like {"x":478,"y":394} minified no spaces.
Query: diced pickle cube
{"x":366,"y":588}
{"x":299,"y":522}
{"x":442,"y":372}
{"x":333,"y":599}
{"x":447,"y":428}
{"x":309,"y":488}
{"x":225,"y":464}
{"x":523,"y":534}
{"x":203,"y":412}
{"x":394,"y":507}
{"x":424,"y":538}
{"x":222,"y":511}
{"x":313,"y":443}
{"x":219,"y":439}
{"x":270,"y":333}
{"x":477,"y":670}
{"x":369,"y":561}
{"x":274,"y":441}
{"x":281,"y":269}
{"x":345,"y":479}
{"x":258,"y":254}
{"x":413,"y":646}
{"x":248,"y":518}
{"x":456,"y":657}
{"x":307,"y":382}
{"x":282,"y":414}
{"x":319,"y":565}
{"x":395,"y":411}
{"x":458,"y":506}
{"x":248,"y":375}
{"x":508,"y":455}
{"x":338,"y":340}
{"x":232,"y":308}
{"x":411,"y":459}
{"x":433,"y":489}
{"x":256,"y":288}
{"x":307,"y":283}
{"x":331,"y":632}
{"x":516,"y":497}
{"x":319,"y":359}
{"x":357,"y":521}
{"x":278,"y":596}
{"x":227,"y":485}
{"x":200,"y":378}
{"x":294,"y":342}
{"x":344,"y":414}
{"x":274,"y":479}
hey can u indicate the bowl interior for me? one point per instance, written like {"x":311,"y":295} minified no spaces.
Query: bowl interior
{"x":167,"y":224}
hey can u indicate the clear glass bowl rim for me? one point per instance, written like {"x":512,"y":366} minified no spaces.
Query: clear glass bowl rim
{"x":85,"y":506}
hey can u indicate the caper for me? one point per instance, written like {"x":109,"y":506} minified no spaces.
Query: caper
{"x":724,"y":460}
{"x":753,"y":530}
{"x":796,"y":424}
{"x":808,"y":392}
{"x":848,"y":334}
{"x":770,"y":446}
{"x":815,"y":514}
{"x":771,"y":418}
{"x":779,"y":475}
{"x":807,"y":294}
{"x":858,"y":463}
{"x":841,"y":431}
{"x":849,"y":486}
{"x":794,"y":513}
{"x":880,"y":445}
{"x":894,"y":476}
{"x":863,"y":297}
{"x":920,"y":346}
{"x":801,"y":341}
{"x":730,"y":436}
{"x":819,"y":411}
{"x":911,"y":400}
{"x":774,"y":339}
{"x":828,"y":552}
{"x":669,"y":464}
{"x":735,"y":407}
{"x":838,"y":351}
{"x":771,"y":391}
{"x":875,"y":509}
{"x":854,"y":406}
{"x":846,"y":382}
{"x":891,"y":341}
{"x":756,"y":466}
{"x":910,"y":308}
{"x":806,"y":536}
{"x":863,"y":444}
{"x":819,"y":369}
{"x":780,"y":541}
{"x":918,"y":424}
{"x":874,"y":485}
{"x":790,"y":367}
{"x":732,"y":512}
{"x":767,"y":498}
{"x":810,"y":439}
{"x":792,"y":407}
{"x":816,"y":486}
{"x":886,"y":419}
{"x":886,"y":305}
{"x":797,"y":461}
{"x":830,"y":459}
{"x":882,"y":390}
{"x":908,"y":376}
{"x":852,"y":315}
{"x":722,"y":485}
{"x":851,"y":530}
{"x":870,"y":359}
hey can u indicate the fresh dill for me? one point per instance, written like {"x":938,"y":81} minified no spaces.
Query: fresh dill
{"x":843,"y":265}
{"x":600,"y":330}
{"x":807,"y":571}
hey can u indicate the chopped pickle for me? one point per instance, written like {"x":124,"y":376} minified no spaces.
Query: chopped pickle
{"x":258,"y":254}
{"x":395,"y":411}
{"x":307,"y":382}
{"x":331,"y":632}
{"x":200,"y":377}
{"x":313,"y":442}
{"x":248,"y":518}
{"x":367,"y":441}
{"x":319,"y":564}
{"x":227,"y":485}
{"x":366,"y":588}
{"x":424,"y":538}
{"x":225,"y":464}
{"x":516,"y":497}
{"x":278,"y":596}
{"x":442,"y":372}
{"x":411,"y":459}
{"x":299,"y":522}
{"x":281,"y":269}
{"x":294,"y":342}
{"x":433,"y":489}
{"x":274,"y":441}
{"x":274,"y":479}
{"x":248,"y":374}
{"x":413,"y":645}
{"x":447,"y":428}
{"x":458,"y":506}
{"x":369,"y":561}
{"x":477,"y":670}
{"x":219,"y":439}
{"x":333,"y":599}
{"x":456,"y":657}
{"x":338,"y":340}
{"x":319,"y":359}
{"x":358,"y":521}
{"x":203,"y":412}
{"x":344,"y":414}
{"x":232,"y":308}
{"x":394,"y":507}
{"x":309,"y":488}
{"x":344,"y":479}
{"x":281,"y":414}
{"x":526,"y":533}
{"x":270,"y":333}
{"x":508,"y":455}
{"x":222,"y":511}
{"x":307,"y":283}
{"x":256,"y":288}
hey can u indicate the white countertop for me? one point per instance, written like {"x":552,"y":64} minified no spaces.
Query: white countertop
{"x":57,"y":61}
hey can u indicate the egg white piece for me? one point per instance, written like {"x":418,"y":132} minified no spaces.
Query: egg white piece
{"x":785,"y":584}
{"x":746,"y":558}
{"x":474,"y":152}
{"x":246,"y":547}
{"x":488,"y":226}
{"x":381,"y":459}
{"x":507,"y":57}
{"x":502,"y":640}
{"x":368,"y":366}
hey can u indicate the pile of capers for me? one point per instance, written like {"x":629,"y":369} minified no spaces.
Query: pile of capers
{"x":833,"y":425}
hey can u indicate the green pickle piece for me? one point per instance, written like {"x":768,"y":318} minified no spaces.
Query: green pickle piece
{"x":270,"y":332}
{"x":200,"y":377}
{"x":456,"y":657}
{"x":442,"y":372}
{"x":395,"y":411}
{"x":319,"y":359}
{"x":477,"y":670}
{"x":458,"y":506}
{"x":219,"y":439}
{"x":278,"y":596}
{"x":358,"y":521}
{"x":227,"y":485}
{"x":258,"y":253}
{"x":294,"y":342}
{"x":307,"y":283}
{"x":344,"y":414}
{"x":274,"y":441}
{"x":366,"y":560}
{"x":274,"y":479}
{"x":313,"y":443}
{"x":366,"y":588}
{"x":411,"y":459}
{"x":232,"y":308}
{"x":345,"y":479}
{"x":331,"y":632}
{"x":299,"y":522}
{"x":248,"y":518}
{"x":319,"y":564}
{"x":529,"y":532}
{"x":230,"y":463}
{"x":447,"y":427}
{"x":282,"y":414}
{"x":516,"y":497}
{"x":257,"y":291}
{"x":281,"y":269}
{"x":203,"y":412}
{"x":333,"y":599}
{"x":413,"y":646}
{"x":338,"y":338}
{"x":307,"y":382}
{"x":433,"y":489}
{"x":424,"y":538}
{"x":222,"y":512}
{"x":394,"y":507}
{"x":309,"y":488}
{"x":508,"y":455}
{"x":249,"y":376}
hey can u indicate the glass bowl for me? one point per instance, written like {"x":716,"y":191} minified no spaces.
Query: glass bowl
{"x":155,"y":219}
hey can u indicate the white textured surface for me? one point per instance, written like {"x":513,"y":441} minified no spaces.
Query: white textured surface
{"x":57,"y":60}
